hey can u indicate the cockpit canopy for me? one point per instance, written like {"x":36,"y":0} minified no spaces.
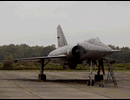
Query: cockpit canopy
{"x":94,"y":40}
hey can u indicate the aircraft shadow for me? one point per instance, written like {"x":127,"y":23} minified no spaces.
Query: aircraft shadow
{"x":80,"y":81}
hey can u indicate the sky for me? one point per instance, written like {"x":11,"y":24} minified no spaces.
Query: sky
{"x":35,"y":22}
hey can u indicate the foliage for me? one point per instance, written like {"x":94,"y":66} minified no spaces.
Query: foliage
{"x":51,"y":66}
{"x":123,"y":56}
{"x":12,"y":51}
{"x":24,"y":51}
{"x":7,"y":66}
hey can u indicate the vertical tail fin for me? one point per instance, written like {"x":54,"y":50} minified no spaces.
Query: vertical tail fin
{"x":61,"y":38}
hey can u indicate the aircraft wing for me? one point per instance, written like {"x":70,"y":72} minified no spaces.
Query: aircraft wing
{"x":34,"y":59}
{"x":113,"y":60}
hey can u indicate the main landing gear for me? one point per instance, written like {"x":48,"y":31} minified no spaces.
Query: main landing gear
{"x":42,"y":76}
{"x":110,"y":75}
{"x":97,"y":77}
{"x":90,"y":81}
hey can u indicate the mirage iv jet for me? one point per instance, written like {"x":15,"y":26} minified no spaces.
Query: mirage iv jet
{"x":91,"y":52}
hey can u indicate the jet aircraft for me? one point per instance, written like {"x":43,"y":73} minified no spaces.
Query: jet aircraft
{"x":91,"y":51}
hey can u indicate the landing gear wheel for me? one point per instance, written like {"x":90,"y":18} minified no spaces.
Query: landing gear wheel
{"x":101,"y":85}
{"x":92,"y":84}
{"x":42,"y":77}
{"x":98,"y":77}
{"x":88,"y":83}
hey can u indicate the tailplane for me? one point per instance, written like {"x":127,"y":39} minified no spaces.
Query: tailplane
{"x":60,"y":37}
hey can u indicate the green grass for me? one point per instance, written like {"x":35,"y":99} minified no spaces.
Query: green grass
{"x":50,"y":66}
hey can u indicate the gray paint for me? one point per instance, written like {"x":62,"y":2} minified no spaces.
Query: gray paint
{"x":60,"y":37}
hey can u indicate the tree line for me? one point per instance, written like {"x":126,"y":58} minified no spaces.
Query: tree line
{"x":123,"y":56}
{"x":25,"y":51}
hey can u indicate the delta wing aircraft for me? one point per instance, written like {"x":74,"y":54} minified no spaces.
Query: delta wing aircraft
{"x":91,"y":52}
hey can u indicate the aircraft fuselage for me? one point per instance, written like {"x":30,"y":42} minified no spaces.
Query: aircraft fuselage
{"x":90,"y":50}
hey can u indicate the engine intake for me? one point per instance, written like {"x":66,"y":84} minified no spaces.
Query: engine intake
{"x":75,"y":53}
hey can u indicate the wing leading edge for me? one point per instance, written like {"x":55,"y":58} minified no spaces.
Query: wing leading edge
{"x":34,"y":59}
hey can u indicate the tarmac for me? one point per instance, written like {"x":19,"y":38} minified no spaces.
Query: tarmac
{"x":60,"y":85}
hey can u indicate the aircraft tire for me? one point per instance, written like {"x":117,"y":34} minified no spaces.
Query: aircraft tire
{"x":72,"y":66}
{"x":88,"y":83}
{"x":92,"y":83}
{"x":98,"y":78}
{"x":42,"y":77}
{"x":101,"y":77}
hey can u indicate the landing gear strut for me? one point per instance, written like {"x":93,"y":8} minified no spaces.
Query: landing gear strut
{"x":90,"y":82}
{"x":42,"y":76}
{"x":99,"y":77}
